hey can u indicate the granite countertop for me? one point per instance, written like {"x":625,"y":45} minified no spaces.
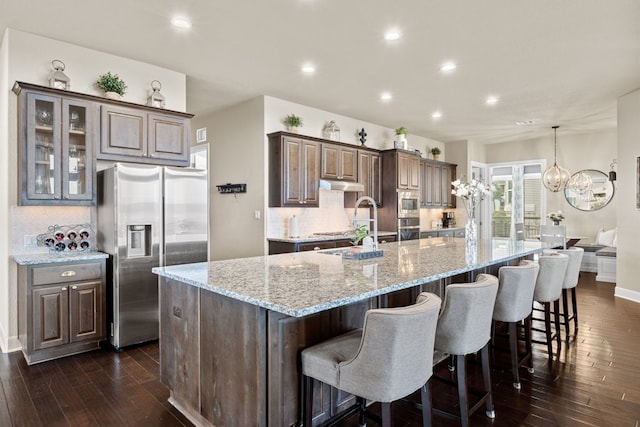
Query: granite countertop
{"x":51,"y":258}
{"x":324,"y":237}
{"x":302,"y":283}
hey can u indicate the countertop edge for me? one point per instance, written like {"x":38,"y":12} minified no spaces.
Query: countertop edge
{"x":48,"y":258}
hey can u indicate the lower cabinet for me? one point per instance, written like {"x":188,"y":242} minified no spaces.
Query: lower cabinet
{"x":61,"y":308}
{"x":277,"y":247}
{"x":454,"y":232}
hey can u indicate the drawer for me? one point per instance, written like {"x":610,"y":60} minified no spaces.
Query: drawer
{"x":62,"y":273}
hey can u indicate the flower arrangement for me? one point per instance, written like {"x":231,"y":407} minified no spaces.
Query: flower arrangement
{"x":471,"y":193}
{"x":556,"y":217}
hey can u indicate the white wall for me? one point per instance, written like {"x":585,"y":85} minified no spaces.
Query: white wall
{"x":237,"y":154}
{"x":27,"y":57}
{"x":575,"y":152}
{"x":628,"y":186}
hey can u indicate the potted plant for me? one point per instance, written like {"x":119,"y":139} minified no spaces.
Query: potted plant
{"x":401,"y":138}
{"x":435,"y":152}
{"x":113,"y":86}
{"x":293,"y":122}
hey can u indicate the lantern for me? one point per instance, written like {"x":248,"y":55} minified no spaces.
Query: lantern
{"x":58,"y":79}
{"x":156,"y":99}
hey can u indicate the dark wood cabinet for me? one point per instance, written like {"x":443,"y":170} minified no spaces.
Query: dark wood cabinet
{"x":294,"y":171}
{"x":280,"y":247}
{"x":408,"y":171}
{"x":62,"y":308}
{"x":339,"y":162}
{"x":56,"y":147}
{"x":370,"y":175}
{"x":133,"y":134}
{"x":436,"y":178}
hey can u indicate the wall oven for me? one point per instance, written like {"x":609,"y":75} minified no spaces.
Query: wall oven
{"x":408,"y":228}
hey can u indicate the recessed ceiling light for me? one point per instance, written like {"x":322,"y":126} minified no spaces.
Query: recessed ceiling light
{"x":392,"y":35}
{"x":308,"y":68}
{"x":525,"y":122}
{"x":181,"y":23}
{"x":386,"y":96}
{"x":447,"y":67}
{"x":492,"y":100}
{"x":436,"y":115}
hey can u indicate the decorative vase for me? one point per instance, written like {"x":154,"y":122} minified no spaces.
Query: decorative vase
{"x":471,"y":241}
{"x":113,"y":95}
{"x":293,"y":129}
{"x":436,"y":156}
{"x":400,"y":142}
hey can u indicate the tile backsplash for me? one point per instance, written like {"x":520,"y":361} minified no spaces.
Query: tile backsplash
{"x":34,"y":220}
{"x":330,"y":216}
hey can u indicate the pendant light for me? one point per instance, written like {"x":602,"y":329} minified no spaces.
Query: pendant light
{"x":555,"y":177}
{"x":580,"y":183}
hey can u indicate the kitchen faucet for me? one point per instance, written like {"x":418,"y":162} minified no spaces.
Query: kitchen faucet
{"x":374,"y":220}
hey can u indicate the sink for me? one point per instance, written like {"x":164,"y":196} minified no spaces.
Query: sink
{"x":354,"y":253}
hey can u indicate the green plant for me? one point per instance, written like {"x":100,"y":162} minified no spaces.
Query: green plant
{"x":359,"y":234}
{"x":111,"y":83}
{"x":402,"y":131}
{"x":293,"y":120}
{"x":435,"y":151}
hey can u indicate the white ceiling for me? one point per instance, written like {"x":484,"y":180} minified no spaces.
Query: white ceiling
{"x":556,"y":62}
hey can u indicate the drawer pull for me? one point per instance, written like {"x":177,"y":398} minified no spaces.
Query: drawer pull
{"x":64,"y":288}
{"x":74,"y":287}
{"x":68,"y":273}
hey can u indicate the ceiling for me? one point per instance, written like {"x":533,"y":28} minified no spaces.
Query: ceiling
{"x":553,"y":62}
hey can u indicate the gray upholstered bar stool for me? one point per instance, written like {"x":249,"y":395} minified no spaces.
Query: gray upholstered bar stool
{"x":386,"y":360}
{"x":553,"y":267}
{"x":570,"y":284}
{"x":514,"y":304}
{"x":464,"y":327}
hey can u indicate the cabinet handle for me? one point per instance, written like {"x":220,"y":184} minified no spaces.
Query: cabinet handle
{"x":316,"y":248}
{"x":68,"y":273}
{"x":74,"y":287}
{"x":64,"y":288}
{"x":66,"y":196}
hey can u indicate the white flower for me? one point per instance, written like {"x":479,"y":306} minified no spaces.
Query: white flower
{"x":556,"y":216}
{"x":471,"y":193}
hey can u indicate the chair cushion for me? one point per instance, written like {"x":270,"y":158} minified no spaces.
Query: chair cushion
{"x":322,"y":360}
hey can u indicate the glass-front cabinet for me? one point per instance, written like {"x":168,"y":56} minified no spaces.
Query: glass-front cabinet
{"x":58,"y":138}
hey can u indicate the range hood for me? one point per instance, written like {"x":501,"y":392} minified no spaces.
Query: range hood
{"x":327,"y":184}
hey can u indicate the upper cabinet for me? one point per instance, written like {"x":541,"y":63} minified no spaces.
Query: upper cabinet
{"x":403,"y":168}
{"x":134,"y":134}
{"x":436,"y":178}
{"x":339,"y":162}
{"x":370,"y":174}
{"x":57,"y":137}
{"x":294,"y":171}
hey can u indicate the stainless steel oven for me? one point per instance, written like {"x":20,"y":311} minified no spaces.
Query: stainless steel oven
{"x":408,"y":228}
{"x":408,"y":204}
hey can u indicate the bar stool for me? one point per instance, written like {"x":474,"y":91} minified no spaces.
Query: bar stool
{"x":390,"y":358}
{"x":571,"y":283}
{"x":514,"y":304}
{"x":553,"y":266}
{"x":464,"y":327}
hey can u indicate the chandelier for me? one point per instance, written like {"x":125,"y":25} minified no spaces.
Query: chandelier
{"x":555,"y":177}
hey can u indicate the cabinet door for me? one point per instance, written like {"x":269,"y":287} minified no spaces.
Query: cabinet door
{"x":168,"y":137}
{"x":437,"y":185}
{"x":78,"y":165}
{"x":429,"y":178}
{"x":339,"y":163}
{"x":50,"y":316}
{"x":369,"y":175}
{"x":123,"y":132}
{"x":414,"y":173}
{"x":85,"y":311}
{"x":292,"y":186}
{"x":404,"y":179}
{"x":348,"y":164}
{"x":310,"y":173}
{"x":42,"y":149}
{"x":448,"y":176}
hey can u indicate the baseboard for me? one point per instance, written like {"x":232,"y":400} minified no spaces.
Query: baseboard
{"x":9,"y":344}
{"x":627,"y":294}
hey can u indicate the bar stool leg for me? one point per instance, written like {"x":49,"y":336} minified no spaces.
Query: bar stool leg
{"x":386,"y":414}
{"x":565,"y":314}
{"x":463,"y":395}
{"x":547,"y":328}
{"x":575,"y":310}
{"x":486,"y":378}
{"x":527,"y":341}
{"x":556,"y":307}
{"x":513,"y":344}
{"x":425,"y":394}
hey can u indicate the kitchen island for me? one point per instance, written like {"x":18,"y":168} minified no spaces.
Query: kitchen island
{"x":231,"y":331}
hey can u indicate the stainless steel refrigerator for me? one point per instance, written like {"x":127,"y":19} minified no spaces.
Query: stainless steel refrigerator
{"x":147,"y":216}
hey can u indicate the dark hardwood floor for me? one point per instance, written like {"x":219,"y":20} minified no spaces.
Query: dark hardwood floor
{"x":596,"y":383}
